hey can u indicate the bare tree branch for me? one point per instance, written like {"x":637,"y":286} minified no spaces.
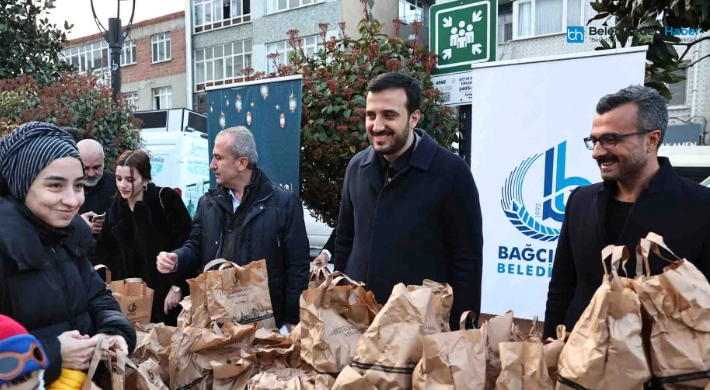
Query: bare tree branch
{"x":700,"y":59}
{"x":689,"y":45}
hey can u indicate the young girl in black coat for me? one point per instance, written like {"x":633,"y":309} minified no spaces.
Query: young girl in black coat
{"x":143,"y":221}
{"x":47,"y":283}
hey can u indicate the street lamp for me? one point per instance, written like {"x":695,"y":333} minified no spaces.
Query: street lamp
{"x":115,"y":36}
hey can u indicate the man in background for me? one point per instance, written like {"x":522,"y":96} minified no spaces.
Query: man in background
{"x":99,"y":185}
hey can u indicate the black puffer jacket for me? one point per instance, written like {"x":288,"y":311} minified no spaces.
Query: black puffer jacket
{"x":273,"y":229}
{"x":54,"y":289}
{"x":131,"y":240}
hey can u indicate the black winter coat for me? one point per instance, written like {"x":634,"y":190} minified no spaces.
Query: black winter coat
{"x":54,"y":289}
{"x":273,"y":229}
{"x":425,"y":223}
{"x":674,"y":207}
{"x":131,"y":240}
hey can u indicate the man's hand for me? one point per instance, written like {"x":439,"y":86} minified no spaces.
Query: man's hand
{"x":167,"y":262}
{"x":76,"y":351}
{"x":171,"y":300}
{"x":97,"y":223}
{"x":321,"y":260}
{"x":87,"y":218}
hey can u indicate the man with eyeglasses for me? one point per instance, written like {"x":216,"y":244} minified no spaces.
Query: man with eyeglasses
{"x":640,"y":193}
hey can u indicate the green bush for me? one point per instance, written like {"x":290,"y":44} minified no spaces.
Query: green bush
{"x":74,"y":101}
{"x":333,"y":106}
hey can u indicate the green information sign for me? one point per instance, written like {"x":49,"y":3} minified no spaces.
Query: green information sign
{"x":462,"y":33}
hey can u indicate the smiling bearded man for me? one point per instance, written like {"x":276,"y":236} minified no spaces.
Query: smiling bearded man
{"x":410,"y":208}
{"x":640,"y":193}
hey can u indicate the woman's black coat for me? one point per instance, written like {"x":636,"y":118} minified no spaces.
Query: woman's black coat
{"x":52,"y":289}
{"x":131,"y":240}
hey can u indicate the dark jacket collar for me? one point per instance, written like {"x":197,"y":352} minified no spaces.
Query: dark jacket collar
{"x":20,"y":242}
{"x":659,"y":182}
{"x":260,"y":187}
{"x":421,"y":158}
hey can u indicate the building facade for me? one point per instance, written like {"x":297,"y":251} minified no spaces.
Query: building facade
{"x":153,"y":62}
{"x":230,"y":35}
{"x":538,"y":28}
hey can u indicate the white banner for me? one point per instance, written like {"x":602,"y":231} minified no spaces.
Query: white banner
{"x":529,"y":121}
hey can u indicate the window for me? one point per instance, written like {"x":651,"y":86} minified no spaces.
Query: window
{"x":678,"y":90}
{"x":223,"y":64}
{"x":310,"y":47}
{"x":162,"y":98}
{"x":132,"y":98}
{"x":211,"y":14}
{"x":283,"y":5}
{"x":505,"y":26}
{"x":92,"y":56}
{"x":128,"y":54}
{"x":160,"y":47}
{"x":410,"y":11}
{"x":543,"y":17}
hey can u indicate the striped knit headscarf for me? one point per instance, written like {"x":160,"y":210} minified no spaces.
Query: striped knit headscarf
{"x":26,"y":151}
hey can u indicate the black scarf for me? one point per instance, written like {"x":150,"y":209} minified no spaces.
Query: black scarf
{"x":48,"y":234}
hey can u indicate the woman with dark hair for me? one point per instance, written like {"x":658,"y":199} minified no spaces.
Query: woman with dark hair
{"x":143,"y":221}
{"x":47,"y":283}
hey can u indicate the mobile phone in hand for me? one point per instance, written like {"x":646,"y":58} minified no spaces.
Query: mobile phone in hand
{"x":97,"y":217}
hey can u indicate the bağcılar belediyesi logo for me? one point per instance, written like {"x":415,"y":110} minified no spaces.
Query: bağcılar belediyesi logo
{"x":536,"y":211}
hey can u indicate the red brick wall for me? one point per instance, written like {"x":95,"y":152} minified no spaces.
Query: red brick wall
{"x":144,"y":70}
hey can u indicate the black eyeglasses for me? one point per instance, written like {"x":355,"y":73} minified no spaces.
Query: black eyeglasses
{"x":610,"y":140}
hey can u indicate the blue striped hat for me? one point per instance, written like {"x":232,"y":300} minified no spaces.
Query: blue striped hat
{"x":26,"y":151}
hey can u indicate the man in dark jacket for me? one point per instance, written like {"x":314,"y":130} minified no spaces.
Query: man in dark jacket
{"x":247,"y":218}
{"x":410,"y":208}
{"x":640,"y":193}
{"x":99,"y":186}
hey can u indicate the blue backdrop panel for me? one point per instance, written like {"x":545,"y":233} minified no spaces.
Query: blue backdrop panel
{"x":272,"y":111}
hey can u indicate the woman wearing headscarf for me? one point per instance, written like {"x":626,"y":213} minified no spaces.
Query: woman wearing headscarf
{"x":47,"y":284}
{"x":143,"y":221}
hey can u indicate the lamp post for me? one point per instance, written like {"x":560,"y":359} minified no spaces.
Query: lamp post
{"x":115,"y":36}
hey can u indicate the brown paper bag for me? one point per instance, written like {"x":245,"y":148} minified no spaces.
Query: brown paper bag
{"x":146,"y":377}
{"x":551,"y":350}
{"x":195,"y":349}
{"x":133,"y":295}
{"x":605,"y":349}
{"x":232,"y":376}
{"x":318,"y":276}
{"x":239,"y":294}
{"x":678,"y":304}
{"x":156,"y":345}
{"x":391,"y":347}
{"x":349,"y":379}
{"x":328,"y":340}
{"x":523,"y":365}
{"x":453,"y":360}
{"x":185,"y":317}
{"x":281,"y":379}
{"x":199,"y":314}
{"x":353,"y":301}
{"x":499,"y":329}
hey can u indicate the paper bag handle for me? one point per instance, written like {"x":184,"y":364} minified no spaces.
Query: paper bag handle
{"x":220,"y":261}
{"x":561,"y":332}
{"x":652,"y":242}
{"x":618,"y":254}
{"x":333,"y":279}
{"x":98,"y":351}
{"x":464,"y":315}
{"x":108,"y":272}
{"x":319,"y":271}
